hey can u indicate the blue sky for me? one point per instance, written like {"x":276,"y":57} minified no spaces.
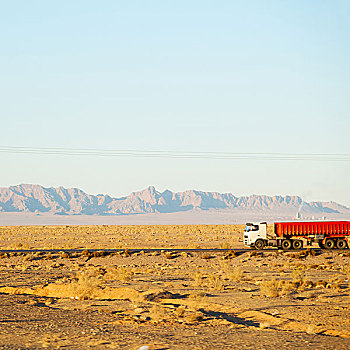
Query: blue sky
{"x":236,"y":76}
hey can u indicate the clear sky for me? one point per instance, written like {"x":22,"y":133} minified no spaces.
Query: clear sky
{"x":235,"y":76}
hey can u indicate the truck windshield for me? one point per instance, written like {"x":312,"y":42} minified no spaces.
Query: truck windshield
{"x":251,"y":228}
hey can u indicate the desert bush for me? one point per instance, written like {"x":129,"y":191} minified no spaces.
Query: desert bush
{"x":198,"y":278}
{"x":28,"y":257}
{"x":254,"y":253}
{"x":158,"y":313}
{"x":225,"y":245}
{"x":298,"y":276}
{"x":197,"y":295}
{"x":49,"y":256}
{"x":276,"y":288}
{"x":231,"y":254}
{"x":64,"y":255}
{"x":120,"y":273}
{"x":345,"y":269}
{"x":84,"y":286}
{"x":270,"y":288}
{"x":215,"y":281}
{"x":232,"y":273}
{"x":194,"y":317}
{"x":170,"y":255}
{"x":180,"y":311}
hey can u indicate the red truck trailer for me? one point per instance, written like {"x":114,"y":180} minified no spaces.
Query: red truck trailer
{"x":287,"y":235}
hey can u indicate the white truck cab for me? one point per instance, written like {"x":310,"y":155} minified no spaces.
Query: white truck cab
{"x":255,"y":232}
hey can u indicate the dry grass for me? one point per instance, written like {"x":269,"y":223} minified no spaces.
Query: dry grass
{"x":84,"y":286}
{"x":231,"y":273}
{"x":215,"y":281}
{"x":276,"y":288}
{"x":158,"y":313}
{"x":345,"y":269}
{"x":120,"y":273}
{"x":198,"y":278}
{"x":298,"y":276}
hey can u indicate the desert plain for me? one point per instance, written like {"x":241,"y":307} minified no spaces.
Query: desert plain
{"x":167,"y":300}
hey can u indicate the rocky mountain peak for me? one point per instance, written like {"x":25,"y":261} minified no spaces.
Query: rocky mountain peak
{"x":73,"y":201}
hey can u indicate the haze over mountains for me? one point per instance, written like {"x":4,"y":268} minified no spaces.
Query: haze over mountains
{"x":37,"y":199}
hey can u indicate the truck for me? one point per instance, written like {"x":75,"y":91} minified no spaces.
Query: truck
{"x":293,"y":235}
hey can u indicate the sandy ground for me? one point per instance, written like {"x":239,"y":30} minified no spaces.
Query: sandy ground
{"x":198,"y":217}
{"x":254,"y":300}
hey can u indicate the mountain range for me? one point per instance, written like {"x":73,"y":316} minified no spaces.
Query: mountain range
{"x":73,"y":201}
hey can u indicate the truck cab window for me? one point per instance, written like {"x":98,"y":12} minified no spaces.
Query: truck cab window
{"x":251,"y":228}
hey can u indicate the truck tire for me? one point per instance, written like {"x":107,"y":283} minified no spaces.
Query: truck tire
{"x":341,"y":243}
{"x":297,"y":244}
{"x":329,"y":243}
{"x":259,"y":244}
{"x":286,"y":244}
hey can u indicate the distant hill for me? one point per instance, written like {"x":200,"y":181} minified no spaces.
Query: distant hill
{"x":73,"y":201}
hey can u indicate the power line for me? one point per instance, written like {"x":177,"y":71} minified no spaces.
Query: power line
{"x":338,"y":157}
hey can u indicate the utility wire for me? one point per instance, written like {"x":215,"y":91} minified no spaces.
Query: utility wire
{"x":338,"y":157}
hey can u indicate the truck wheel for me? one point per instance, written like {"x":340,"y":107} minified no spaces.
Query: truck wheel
{"x":297,"y":244}
{"x":341,"y":243}
{"x":329,"y":243}
{"x":286,"y":244}
{"x":259,"y":244}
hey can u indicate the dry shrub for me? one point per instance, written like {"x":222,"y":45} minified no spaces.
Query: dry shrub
{"x":275,"y":288}
{"x":270,"y":288}
{"x":120,"y":273}
{"x":85,"y":286}
{"x":346,"y":271}
{"x":158,"y":313}
{"x":194,"y":317}
{"x":264,"y":325}
{"x":306,"y":284}
{"x":225,"y":245}
{"x":215,"y":281}
{"x":126,"y":253}
{"x":64,"y":255}
{"x":321,"y":284}
{"x":28,"y":257}
{"x":170,"y":255}
{"x":86,"y":253}
{"x":231,"y":254}
{"x":310,"y":252}
{"x":197,"y":296}
{"x":254,"y":253}
{"x":99,"y":254}
{"x":206,"y":256}
{"x":303,"y":254}
{"x":19,"y":245}
{"x":212,"y":280}
{"x":232,"y":273}
{"x":180,"y":311}
{"x":157,"y":295}
{"x":298,"y":276}
{"x":198,"y":278}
